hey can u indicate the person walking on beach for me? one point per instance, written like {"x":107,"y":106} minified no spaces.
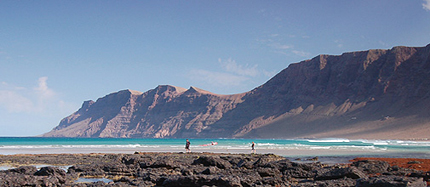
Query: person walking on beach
{"x":187,"y":146}
{"x":253,"y":148}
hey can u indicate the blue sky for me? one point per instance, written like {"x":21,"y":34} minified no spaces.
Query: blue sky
{"x":56,"y":54}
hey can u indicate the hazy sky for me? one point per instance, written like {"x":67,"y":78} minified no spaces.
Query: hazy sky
{"x":56,"y":54}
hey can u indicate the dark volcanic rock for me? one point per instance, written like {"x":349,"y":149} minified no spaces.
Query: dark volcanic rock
{"x":338,"y":173}
{"x":268,"y":172}
{"x":27,"y":170}
{"x":204,"y":169}
{"x":328,"y":183}
{"x":267,"y":160}
{"x":92,"y":170}
{"x":213,"y":161}
{"x":50,"y":171}
{"x":391,"y":181}
{"x":372,"y":166}
{"x":210,"y":170}
{"x":372,"y":94}
{"x":301,"y":170}
{"x":164,"y":163}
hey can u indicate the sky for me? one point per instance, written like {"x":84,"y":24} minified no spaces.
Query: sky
{"x":54,"y":55}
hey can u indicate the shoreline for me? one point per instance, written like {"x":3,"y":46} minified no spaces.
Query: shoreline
{"x":47,"y":159}
{"x":335,"y":159}
{"x":285,"y":153}
{"x":287,"y":148}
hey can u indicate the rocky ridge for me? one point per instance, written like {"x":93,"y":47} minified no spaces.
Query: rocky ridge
{"x":166,"y":111}
{"x":374,"y":94}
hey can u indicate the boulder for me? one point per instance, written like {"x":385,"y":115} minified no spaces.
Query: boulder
{"x":212,"y":161}
{"x":338,"y":173}
{"x":87,"y":170}
{"x":210,"y":170}
{"x":372,"y":166}
{"x":246,"y":163}
{"x":296,"y":172}
{"x":27,"y":170}
{"x":50,"y":171}
{"x":266,"y":159}
{"x":268,"y":172}
{"x":164,"y":163}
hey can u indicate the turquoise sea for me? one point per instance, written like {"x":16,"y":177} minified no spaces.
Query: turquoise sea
{"x":284,"y":147}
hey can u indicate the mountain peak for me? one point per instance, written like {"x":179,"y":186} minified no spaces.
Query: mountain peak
{"x":193,"y":89}
{"x":173,"y":88}
{"x":134,"y":92}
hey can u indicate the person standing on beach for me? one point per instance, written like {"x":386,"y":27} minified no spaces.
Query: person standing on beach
{"x":187,"y":146}
{"x":253,"y":148}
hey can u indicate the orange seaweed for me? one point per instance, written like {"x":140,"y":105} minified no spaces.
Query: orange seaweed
{"x":411,"y":163}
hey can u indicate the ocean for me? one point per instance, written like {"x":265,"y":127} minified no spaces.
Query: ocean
{"x":284,"y":147}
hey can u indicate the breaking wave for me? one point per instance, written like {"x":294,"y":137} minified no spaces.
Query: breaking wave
{"x":112,"y":144}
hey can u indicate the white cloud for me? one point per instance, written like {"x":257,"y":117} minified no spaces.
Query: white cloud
{"x":339,"y":43}
{"x":426,"y":5}
{"x":301,"y":53}
{"x":276,"y":43}
{"x":31,"y":110}
{"x":218,"y":79}
{"x":38,"y":100}
{"x":231,"y":75}
{"x":43,"y":90}
{"x":383,"y":43}
{"x":14,"y":101}
{"x":269,"y":73}
{"x":262,"y":11}
{"x":230,"y":65}
{"x":280,"y":46}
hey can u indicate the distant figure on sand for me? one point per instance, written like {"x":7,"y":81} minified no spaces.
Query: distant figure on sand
{"x":187,"y":146}
{"x":253,"y":147}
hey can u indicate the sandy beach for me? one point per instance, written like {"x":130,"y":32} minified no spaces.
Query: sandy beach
{"x":291,"y":152}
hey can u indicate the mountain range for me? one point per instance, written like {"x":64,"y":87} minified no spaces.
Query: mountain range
{"x":374,"y":94}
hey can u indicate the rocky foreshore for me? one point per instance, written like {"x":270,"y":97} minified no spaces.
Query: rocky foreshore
{"x":199,"y":169}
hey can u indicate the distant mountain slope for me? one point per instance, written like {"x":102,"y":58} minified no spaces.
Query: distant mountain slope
{"x":376,"y":94}
{"x":366,"y":94}
{"x":166,"y":111}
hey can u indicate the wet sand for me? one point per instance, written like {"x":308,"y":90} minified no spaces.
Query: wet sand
{"x":281,"y":152}
{"x":326,"y":156}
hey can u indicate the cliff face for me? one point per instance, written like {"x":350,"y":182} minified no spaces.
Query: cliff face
{"x":366,"y":94}
{"x":166,"y":111}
